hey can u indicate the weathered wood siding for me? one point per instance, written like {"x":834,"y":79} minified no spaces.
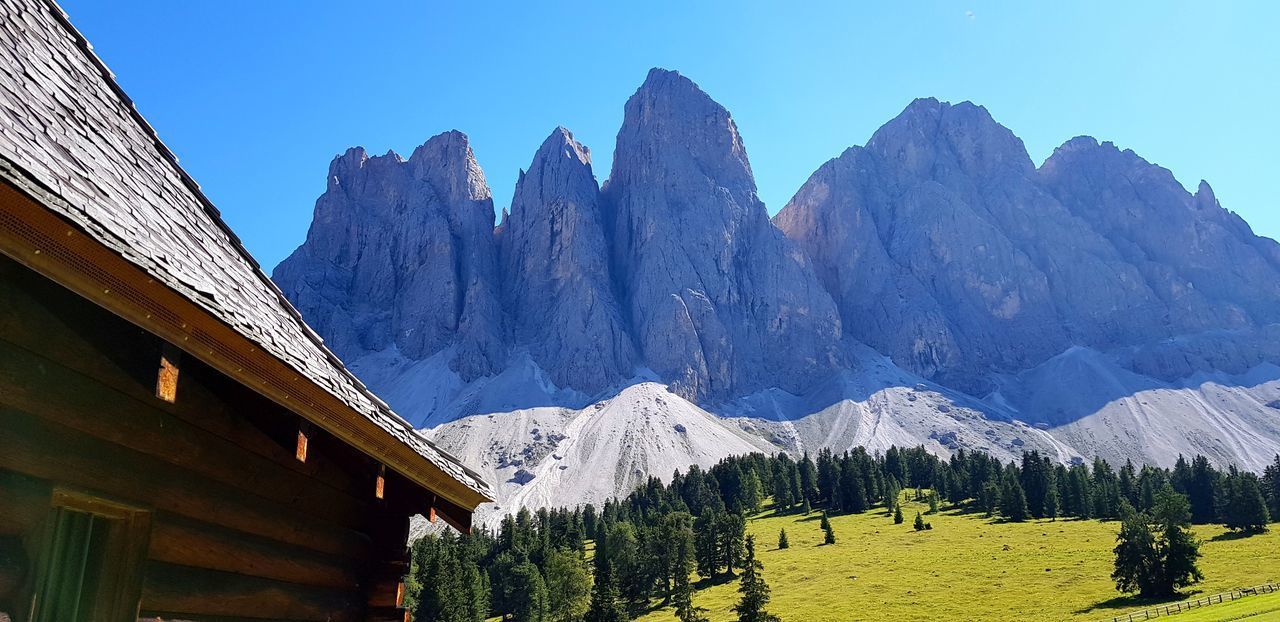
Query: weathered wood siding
{"x":239,"y":528}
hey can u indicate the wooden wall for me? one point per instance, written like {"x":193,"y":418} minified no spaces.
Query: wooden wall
{"x":239,"y":528}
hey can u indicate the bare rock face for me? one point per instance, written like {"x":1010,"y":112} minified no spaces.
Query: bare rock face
{"x":1203,"y":263}
{"x":946,"y":249}
{"x":401,"y":253}
{"x":719,"y":301}
{"x":555,"y":266}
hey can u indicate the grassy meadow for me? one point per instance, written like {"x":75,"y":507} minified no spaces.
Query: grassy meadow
{"x":969,"y":567}
{"x":1251,"y":609}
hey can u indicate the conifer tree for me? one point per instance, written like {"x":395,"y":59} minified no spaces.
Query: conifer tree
{"x":828,"y":534}
{"x":732,"y":529}
{"x":891,"y":496}
{"x":751,"y":495}
{"x":1201,"y":490}
{"x":528,"y":600}
{"x":1242,"y":505}
{"x":606,"y":603}
{"x":897,"y":514}
{"x":805,"y":507}
{"x":989,"y":499}
{"x":782,"y":540}
{"x":1050,"y":507}
{"x":1013,"y":502}
{"x":808,"y":479}
{"x":919,"y":523}
{"x":706,"y":544}
{"x":1155,"y":553}
{"x":933,"y":501}
{"x":754,"y":590}
{"x":1271,"y":488}
{"x":780,"y":482}
{"x":1135,"y":553}
{"x":568,"y":586}
{"x":682,"y":600}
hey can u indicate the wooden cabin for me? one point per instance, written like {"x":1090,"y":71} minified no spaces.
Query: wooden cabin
{"x":175,"y":443}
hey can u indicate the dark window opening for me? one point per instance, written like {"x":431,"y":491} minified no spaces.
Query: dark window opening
{"x":91,"y":567}
{"x":71,"y":587}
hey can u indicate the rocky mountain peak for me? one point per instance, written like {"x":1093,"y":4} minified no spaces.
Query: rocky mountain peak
{"x":401,"y":253}
{"x":346,"y":165}
{"x":1205,"y":198}
{"x":669,"y":120}
{"x":555,"y":266}
{"x":715,"y":293}
{"x":447,"y":163}
{"x":933,"y":138}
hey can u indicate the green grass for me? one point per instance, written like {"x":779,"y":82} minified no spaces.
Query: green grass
{"x":967,"y":567}
{"x":1249,"y":608}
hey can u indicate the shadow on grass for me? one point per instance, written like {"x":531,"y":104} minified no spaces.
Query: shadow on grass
{"x":1227,"y":536}
{"x":702,"y":584}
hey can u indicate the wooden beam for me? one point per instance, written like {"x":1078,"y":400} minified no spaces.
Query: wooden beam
{"x":167,"y":377}
{"x":174,"y":588}
{"x":386,"y":614}
{"x":304,"y":441}
{"x":189,"y":542}
{"x":380,"y":486}
{"x":53,"y":393}
{"x":47,"y":450}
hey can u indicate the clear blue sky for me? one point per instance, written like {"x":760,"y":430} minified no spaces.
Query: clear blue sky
{"x":256,"y":98}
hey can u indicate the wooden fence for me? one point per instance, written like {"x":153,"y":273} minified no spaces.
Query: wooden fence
{"x":1187,"y":605}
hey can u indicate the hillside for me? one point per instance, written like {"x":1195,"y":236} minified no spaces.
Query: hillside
{"x":966,"y":568}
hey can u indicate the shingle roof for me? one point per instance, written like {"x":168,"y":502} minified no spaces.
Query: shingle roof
{"x":66,"y":125}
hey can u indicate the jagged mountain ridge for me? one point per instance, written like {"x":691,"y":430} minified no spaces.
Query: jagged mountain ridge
{"x":939,"y":244}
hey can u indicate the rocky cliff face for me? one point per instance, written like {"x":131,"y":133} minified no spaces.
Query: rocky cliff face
{"x":555,"y":265}
{"x":721,"y":303}
{"x":948,"y":250}
{"x":401,"y":253}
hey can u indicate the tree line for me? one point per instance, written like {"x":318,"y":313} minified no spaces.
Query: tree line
{"x":614,"y":562}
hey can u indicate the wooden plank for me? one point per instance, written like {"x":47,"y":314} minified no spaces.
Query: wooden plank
{"x":183,"y":541}
{"x":36,"y":385}
{"x":14,"y":567}
{"x":44,"y":318}
{"x":182,"y":590}
{"x":304,"y":441}
{"x":388,"y":594}
{"x":50,"y":451}
{"x":387,"y":614}
{"x":170,"y":616}
{"x":167,"y":376}
{"x":24,"y":502}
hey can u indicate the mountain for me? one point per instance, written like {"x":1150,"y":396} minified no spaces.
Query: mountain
{"x":932,"y":287}
{"x":948,"y":250}
{"x":720,"y":302}
{"x":555,"y":267}
{"x":401,"y":254}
